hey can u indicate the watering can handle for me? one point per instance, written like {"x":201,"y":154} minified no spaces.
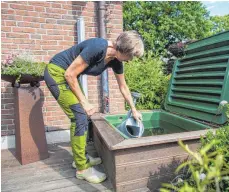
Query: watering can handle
{"x":135,"y":96}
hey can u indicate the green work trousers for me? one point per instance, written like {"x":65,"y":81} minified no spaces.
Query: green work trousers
{"x":55,"y":80}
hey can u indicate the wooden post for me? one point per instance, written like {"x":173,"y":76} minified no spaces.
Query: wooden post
{"x":31,"y":144}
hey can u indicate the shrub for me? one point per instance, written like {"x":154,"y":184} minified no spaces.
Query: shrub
{"x":146,"y":77}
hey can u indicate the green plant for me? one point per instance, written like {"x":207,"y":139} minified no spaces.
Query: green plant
{"x":206,"y":167}
{"x":22,"y":64}
{"x":146,"y":77}
{"x":209,"y":168}
{"x":222,"y":147}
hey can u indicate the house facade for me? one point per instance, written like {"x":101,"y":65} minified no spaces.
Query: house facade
{"x":44,"y":29}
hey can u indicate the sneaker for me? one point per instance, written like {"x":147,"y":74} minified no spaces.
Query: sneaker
{"x":92,"y":160}
{"x":92,"y":175}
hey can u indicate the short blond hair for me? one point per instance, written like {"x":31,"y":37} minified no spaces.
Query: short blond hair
{"x":130,"y":43}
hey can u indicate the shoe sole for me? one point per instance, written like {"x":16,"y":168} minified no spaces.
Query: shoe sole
{"x":95,"y":182}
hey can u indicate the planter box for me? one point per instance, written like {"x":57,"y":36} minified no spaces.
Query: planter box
{"x":139,"y":162}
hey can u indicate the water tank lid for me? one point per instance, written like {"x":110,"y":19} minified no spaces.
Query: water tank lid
{"x":200,"y":80}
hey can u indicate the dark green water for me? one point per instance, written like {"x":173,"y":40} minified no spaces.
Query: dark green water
{"x":158,"y":128}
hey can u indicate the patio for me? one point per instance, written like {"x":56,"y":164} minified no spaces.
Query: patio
{"x":52,"y":174}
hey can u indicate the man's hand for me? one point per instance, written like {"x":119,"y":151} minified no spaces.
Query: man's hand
{"x":89,"y":109}
{"x":137,"y":115}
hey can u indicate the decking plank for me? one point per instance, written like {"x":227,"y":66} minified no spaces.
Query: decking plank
{"x":52,"y":174}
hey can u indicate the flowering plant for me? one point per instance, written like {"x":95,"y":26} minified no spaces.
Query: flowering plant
{"x":22,"y":68}
{"x":22,"y":64}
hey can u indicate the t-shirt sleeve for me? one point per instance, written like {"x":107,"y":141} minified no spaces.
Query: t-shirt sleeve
{"x":93,"y":54}
{"x":117,"y":67}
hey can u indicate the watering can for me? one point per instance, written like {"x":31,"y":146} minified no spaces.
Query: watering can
{"x":130,"y":127}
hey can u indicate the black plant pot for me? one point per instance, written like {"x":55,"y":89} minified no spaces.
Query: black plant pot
{"x":25,"y":79}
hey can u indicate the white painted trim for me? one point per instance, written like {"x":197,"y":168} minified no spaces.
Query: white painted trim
{"x":51,"y":137}
{"x":8,"y":142}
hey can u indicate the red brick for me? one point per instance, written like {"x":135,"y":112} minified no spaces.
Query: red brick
{"x":59,"y":11}
{"x":7,"y":111}
{"x":9,"y":46}
{"x":39,"y":52}
{"x":11,"y":127}
{"x":67,"y":43}
{"x":41,"y":31}
{"x":10,"y":23}
{"x":23,"y":30}
{"x":7,"y":121}
{"x":51,"y":47}
{"x":56,"y":32}
{"x":7,"y":117}
{"x":50,"y":104}
{"x":50,"y":15}
{"x":27,"y":13}
{"x":29,"y":24}
{"x":21,"y":7}
{"x":71,"y":33}
{"x":52,"y":37}
{"x":8,"y":132}
{"x":53,"y":21}
{"x":43,"y":42}
{"x":68,"y":27}
{"x":56,"y":5}
{"x":7,"y":11}
{"x":79,"y":3}
{"x":23,"y":41}
{"x":8,"y":17}
{"x":34,"y":19}
{"x":27,"y":47}
{"x":68,"y":7}
{"x":39,"y":9}
{"x":4,"y":5}
{"x":7,"y":100}
{"x":50,"y":26}
{"x":69,"y":38}
{"x":6,"y":29}
{"x":35,"y":36}
{"x":39,"y":3}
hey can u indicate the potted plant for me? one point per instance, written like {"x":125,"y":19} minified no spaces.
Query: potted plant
{"x":21,"y":69}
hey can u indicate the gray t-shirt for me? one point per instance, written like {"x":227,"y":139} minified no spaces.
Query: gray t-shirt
{"x":93,"y":51}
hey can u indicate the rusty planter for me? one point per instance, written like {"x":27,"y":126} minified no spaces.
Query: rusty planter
{"x":31,"y":144}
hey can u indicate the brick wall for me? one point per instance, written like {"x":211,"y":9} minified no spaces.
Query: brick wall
{"x":46,"y":28}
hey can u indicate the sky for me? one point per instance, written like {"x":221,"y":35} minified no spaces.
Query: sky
{"x":217,"y":7}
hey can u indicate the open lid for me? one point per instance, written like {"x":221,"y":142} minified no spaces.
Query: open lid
{"x":200,"y":80}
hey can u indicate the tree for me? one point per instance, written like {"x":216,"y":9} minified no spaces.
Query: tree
{"x":162,"y":23}
{"x":220,"y":23}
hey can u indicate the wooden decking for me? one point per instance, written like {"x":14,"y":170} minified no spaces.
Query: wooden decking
{"x":54,"y":174}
